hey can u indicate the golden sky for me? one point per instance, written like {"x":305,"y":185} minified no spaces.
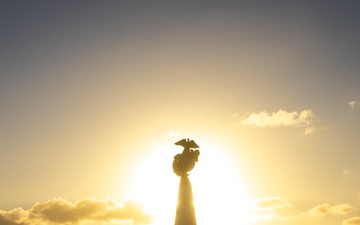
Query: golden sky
{"x":93,"y":95}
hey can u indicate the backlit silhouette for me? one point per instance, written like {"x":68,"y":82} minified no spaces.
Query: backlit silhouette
{"x":182,"y":164}
{"x":185,"y":161}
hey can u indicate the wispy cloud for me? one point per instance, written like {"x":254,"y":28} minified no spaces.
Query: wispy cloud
{"x":347,"y":171}
{"x":326,"y":209}
{"x":60,"y":211}
{"x":309,"y":130}
{"x":352,"y":104}
{"x":304,"y":119}
{"x":172,"y":133}
{"x":352,"y":221}
{"x":266,"y":208}
{"x":273,"y":209}
{"x":271,"y":203}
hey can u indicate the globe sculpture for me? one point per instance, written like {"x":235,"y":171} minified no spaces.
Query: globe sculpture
{"x":183,"y":163}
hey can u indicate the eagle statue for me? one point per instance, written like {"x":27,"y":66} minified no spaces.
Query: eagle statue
{"x":185,"y":161}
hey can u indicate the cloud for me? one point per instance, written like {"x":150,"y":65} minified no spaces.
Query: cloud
{"x":326,"y":209}
{"x":13,"y":217}
{"x":60,"y":211}
{"x":352,"y":221}
{"x":352,"y":104}
{"x":266,"y":208}
{"x":272,"y":203}
{"x":272,"y":208}
{"x":172,"y":133}
{"x":350,"y":171}
{"x":342,"y":209}
{"x":309,"y":130}
{"x":303,"y":119}
{"x":347,"y":171}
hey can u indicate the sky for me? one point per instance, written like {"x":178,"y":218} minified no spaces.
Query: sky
{"x":94,"y":94}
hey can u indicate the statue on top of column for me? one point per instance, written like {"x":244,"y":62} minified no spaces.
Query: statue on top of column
{"x":185,"y":161}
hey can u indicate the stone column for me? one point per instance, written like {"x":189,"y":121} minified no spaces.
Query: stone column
{"x":185,"y":211}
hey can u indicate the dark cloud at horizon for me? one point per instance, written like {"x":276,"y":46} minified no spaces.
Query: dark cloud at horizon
{"x":60,"y":211}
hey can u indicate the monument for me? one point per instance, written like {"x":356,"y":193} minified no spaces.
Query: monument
{"x":183,"y":163}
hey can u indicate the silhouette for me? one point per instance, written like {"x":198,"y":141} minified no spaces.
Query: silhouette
{"x":182,"y":164}
{"x":185,"y":210}
{"x":185,"y":161}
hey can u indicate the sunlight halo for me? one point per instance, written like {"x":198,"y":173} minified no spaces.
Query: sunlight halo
{"x":219,"y":195}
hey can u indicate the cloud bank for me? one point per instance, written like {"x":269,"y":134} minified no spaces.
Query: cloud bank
{"x":303,"y":119}
{"x":87,"y":211}
{"x":275,"y":209}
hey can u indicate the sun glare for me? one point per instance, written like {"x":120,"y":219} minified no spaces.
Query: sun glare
{"x":219,"y":195}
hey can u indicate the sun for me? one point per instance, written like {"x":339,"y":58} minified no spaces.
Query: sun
{"x":219,"y":195}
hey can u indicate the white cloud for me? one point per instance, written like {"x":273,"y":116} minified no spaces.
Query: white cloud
{"x":272,"y":203}
{"x":342,"y":209}
{"x":309,"y":130}
{"x":60,"y":211}
{"x":347,"y":171}
{"x":352,"y":221}
{"x":271,"y":208}
{"x":266,"y":208}
{"x":172,"y":133}
{"x":352,"y":104}
{"x":326,"y":209}
{"x":303,"y":119}
{"x":351,"y":171}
